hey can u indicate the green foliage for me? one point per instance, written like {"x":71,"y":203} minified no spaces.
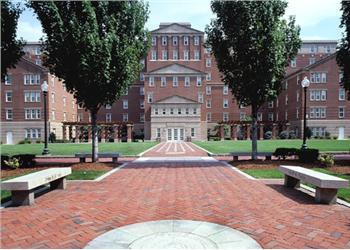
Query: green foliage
{"x":327,"y":160}
{"x":285,"y":152}
{"x":343,"y":53}
{"x":25,"y":141}
{"x":11,"y":48}
{"x":13,"y":162}
{"x":308,"y":155}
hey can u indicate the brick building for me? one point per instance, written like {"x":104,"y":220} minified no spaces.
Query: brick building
{"x":180,"y":94}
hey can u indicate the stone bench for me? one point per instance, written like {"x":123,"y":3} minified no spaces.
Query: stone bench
{"x":82,"y":156}
{"x":235,"y":155}
{"x":22,"y":188}
{"x":326,"y":185}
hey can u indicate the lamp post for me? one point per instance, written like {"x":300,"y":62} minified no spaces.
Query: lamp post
{"x":44,"y":89}
{"x":305,"y":84}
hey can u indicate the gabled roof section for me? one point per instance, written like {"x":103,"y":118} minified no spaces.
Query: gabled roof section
{"x":25,"y":60}
{"x":175,"y":69}
{"x":311,"y":66}
{"x":175,"y":28}
{"x":175,"y":99}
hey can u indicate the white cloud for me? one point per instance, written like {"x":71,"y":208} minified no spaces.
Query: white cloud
{"x":29,"y":31}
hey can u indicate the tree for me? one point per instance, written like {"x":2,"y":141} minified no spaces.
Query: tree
{"x":252,"y":45}
{"x":343,"y":53}
{"x":95,"y":47}
{"x":11,"y":48}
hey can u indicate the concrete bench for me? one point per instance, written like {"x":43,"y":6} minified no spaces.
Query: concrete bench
{"x":82,"y":156}
{"x":235,"y":155}
{"x":22,"y":188}
{"x":326,"y":185}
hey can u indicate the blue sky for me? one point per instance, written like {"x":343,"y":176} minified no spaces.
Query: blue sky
{"x":319,"y":19}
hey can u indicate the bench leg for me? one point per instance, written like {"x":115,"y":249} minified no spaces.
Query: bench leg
{"x":326,"y":195}
{"x":58,"y":184}
{"x":115,"y":159}
{"x":22,"y":197}
{"x":235,"y":158}
{"x":81,"y":160}
{"x":268,"y":157}
{"x":290,"y":181}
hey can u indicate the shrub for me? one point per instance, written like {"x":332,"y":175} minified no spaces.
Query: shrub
{"x":335,"y":137}
{"x":268,"y":135}
{"x":13,"y":162}
{"x":26,"y":160}
{"x":327,"y":160}
{"x":284,"y":152}
{"x":284,"y":135}
{"x":292,"y":135}
{"x":308,"y":133}
{"x":61,"y":141}
{"x":52,"y":137}
{"x":3,"y":159}
{"x":308,"y":155}
{"x":327,"y":135}
{"x":25,"y":141}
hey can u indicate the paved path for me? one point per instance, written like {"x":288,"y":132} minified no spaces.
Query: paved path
{"x":175,"y":149}
{"x":142,"y":191}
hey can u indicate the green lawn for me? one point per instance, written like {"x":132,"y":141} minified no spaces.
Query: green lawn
{"x":75,"y":175}
{"x":227,"y":146}
{"x":343,"y":193}
{"x":125,"y":148}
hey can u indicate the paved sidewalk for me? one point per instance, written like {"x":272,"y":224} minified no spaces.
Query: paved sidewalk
{"x":175,"y":149}
{"x":276,"y":217}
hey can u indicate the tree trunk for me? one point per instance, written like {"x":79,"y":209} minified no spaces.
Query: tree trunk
{"x":94,"y":135}
{"x":254,"y":132}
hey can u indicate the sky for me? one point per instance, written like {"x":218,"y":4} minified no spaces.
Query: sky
{"x":318,"y":19}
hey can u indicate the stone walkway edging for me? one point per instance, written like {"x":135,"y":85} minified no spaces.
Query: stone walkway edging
{"x":209,"y":153}
{"x":238,"y":171}
{"x":144,"y":152}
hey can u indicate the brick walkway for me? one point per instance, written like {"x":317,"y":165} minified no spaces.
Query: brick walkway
{"x":274,"y":216}
{"x":175,"y":149}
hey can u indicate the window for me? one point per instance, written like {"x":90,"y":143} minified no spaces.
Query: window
{"x":32,"y":114}
{"x":196,"y":40}
{"x":142,"y":77}
{"x":142,"y":90}
{"x":196,"y":55}
{"x":64,"y":116}
{"x":293,"y":63}
{"x":194,"y":111}
{"x":259,"y":116}
{"x":158,"y":132}
{"x":225,"y":103}
{"x":270,"y":117}
{"x":208,"y":103}
{"x":142,"y":104}
{"x":312,"y":60}
{"x":37,"y":51}
{"x":150,"y":97}
{"x":200,"y":97}
{"x":9,"y":114}
{"x":8,"y":96}
{"x":341,"y":94}
{"x":192,"y":132}
{"x":171,"y":111}
{"x":163,"y":81}
{"x":208,"y":62}
{"x":175,"y":81}
{"x":225,"y":90}
{"x":185,"y":40}
{"x":318,"y":95}
{"x":142,"y":117}
{"x":187,"y":81}
{"x":64,"y":101}
{"x":142,"y":62}
{"x":156,"y":111}
{"x":199,"y":81}
{"x":53,"y":115}
{"x":53,"y":97}
{"x":317,"y":112}
{"x":186,"y":55}
{"x":164,"y":40}
{"x":151,"y":81}
{"x":318,"y":77}
{"x":179,"y":111}
{"x":298,"y":96}
{"x":318,"y":131}
{"x":270,"y":104}
{"x":286,"y":115}
{"x":154,"y":55}
{"x":187,"y":111}
{"x":154,"y":41}
{"x":108,"y":117}
{"x":125,"y":104}
{"x":125,"y":117}
{"x":297,"y":113}
{"x":31,"y":79}
{"x":32,"y":96}
{"x":286,"y":100}
{"x":341,"y":112}
{"x":313,"y":49}
{"x":225,"y":116}
{"x":33,"y":133}
{"x":175,"y":55}
{"x":164,"y":55}
{"x":242,"y":116}
{"x":38,"y":61}
{"x":341,"y":76}
{"x":207,"y":50}
{"x":164,"y":111}
{"x":327,"y":49}
{"x":208,"y":76}
{"x":174,"y":40}
{"x":209,"y":117}
{"x":208,"y":90}
{"x":8,"y":80}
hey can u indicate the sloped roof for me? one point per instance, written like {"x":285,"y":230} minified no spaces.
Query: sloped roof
{"x":175,"y":69}
{"x":175,"y":99}
{"x":27,"y":61}
{"x":175,"y":28}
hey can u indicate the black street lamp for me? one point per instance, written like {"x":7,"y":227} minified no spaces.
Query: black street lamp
{"x":305,"y":83}
{"x":44,"y":89}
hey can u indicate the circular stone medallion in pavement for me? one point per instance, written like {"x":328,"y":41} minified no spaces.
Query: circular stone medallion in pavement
{"x":174,"y":234}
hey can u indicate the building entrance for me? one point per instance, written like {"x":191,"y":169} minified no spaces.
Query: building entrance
{"x":175,"y":134}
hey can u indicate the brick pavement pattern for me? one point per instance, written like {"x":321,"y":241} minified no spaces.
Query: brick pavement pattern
{"x":175,"y":149}
{"x":275,"y":216}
